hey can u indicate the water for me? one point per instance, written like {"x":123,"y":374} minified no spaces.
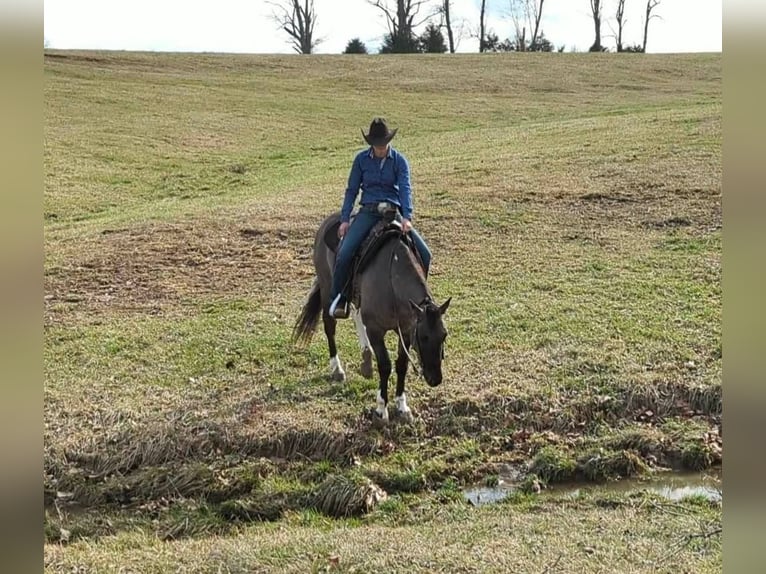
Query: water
{"x":671,"y":485}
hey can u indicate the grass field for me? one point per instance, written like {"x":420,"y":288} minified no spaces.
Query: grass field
{"x":573,"y":205}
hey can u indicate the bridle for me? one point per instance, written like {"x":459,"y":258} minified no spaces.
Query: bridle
{"x":416,"y":338}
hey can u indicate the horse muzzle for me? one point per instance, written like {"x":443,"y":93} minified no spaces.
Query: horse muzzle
{"x":433,"y":381}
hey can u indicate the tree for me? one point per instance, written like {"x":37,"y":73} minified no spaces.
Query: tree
{"x":514,"y":44}
{"x":297,"y":18}
{"x":595,"y":8}
{"x":432,"y":40}
{"x":400,"y":44}
{"x":527,"y":14}
{"x":541,"y":44}
{"x":491,"y":43}
{"x":483,"y":27}
{"x":620,"y":17}
{"x":650,"y":6}
{"x":401,"y":24}
{"x":355,"y":46}
{"x":444,"y":10}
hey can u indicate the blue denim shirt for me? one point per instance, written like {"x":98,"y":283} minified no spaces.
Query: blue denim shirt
{"x":386,"y":179}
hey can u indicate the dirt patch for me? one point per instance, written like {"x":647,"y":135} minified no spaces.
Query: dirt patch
{"x":670,"y":223}
{"x":148,"y":267}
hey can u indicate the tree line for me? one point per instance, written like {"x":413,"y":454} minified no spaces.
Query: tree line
{"x":297,"y":19}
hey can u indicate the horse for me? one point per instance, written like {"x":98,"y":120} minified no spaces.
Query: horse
{"x":392,"y":295}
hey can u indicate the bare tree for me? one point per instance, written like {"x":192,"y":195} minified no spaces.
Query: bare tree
{"x":526,"y":14}
{"x":483,"y":26}
{"x":650,"y":6}
{"x":297,"y":18}
{"x":620,"y":17}
{"x":595,"y":8}
{"x":444,"y":10}
{"x":462,"y":30}
{"x":400,"y":18}
{"x":537,"y":13}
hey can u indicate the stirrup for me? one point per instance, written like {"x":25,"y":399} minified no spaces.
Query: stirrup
{"x":336,"y":310}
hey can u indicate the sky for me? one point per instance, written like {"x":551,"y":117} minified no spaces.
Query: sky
{"x":246,"y":26}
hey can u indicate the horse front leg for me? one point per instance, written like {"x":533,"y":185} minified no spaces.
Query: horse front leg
{"x":336,"y":368}
{"x":403,"y":411}
{"x":380,"y":416}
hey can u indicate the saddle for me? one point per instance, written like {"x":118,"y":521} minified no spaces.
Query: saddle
{"x":386,"y":229}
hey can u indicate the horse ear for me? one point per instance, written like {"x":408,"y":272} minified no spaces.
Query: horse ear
{"x":416,"y":308}
{"x":443,"y":308}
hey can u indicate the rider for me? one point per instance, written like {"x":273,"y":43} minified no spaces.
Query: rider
{"x":384,"y":176}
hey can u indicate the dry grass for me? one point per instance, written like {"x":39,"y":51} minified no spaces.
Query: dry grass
{"x":577,"y":226}
{"x":564,"y":537}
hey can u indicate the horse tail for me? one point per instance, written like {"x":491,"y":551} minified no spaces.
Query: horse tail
{"x":308,"y":320}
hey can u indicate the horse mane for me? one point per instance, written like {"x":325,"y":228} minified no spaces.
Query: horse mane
{"x":418,"y":266}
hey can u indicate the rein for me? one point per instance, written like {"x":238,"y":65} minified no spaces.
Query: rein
{"x":396,"y":314}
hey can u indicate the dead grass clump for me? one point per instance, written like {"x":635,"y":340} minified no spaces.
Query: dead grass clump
{"x":261,"y":507}
{"x":316,"y":444}
{"x":552,"y":464}
{"x":699,"y":453}
{"x":400,"y":480}
{"x":191,"y":519}
{"x":584,"y":411}
{"x":62,"y":528}
{"x":187,"y":459}
{"x":159,"y":483}
{"x":671,"y":399}
{"x":602,"y":466}
{"x":154,"y":445}
{"x":348,"y":495}
{"x":178,"y":440}
{"x":646,"y":441}
{"x":74,"y":485}
{"x":155,"y":483}
{"x":707,"y":399}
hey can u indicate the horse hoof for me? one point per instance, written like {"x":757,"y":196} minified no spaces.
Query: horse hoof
{"x":366,"y":367}
{"x":378,"y":420}
{"x":338,"y":376}
{"x":404,"y":416}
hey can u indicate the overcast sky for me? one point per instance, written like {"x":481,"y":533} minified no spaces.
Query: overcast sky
{"x":246,"y":26}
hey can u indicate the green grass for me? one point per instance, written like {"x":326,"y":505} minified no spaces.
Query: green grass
{"x":573,"y":205}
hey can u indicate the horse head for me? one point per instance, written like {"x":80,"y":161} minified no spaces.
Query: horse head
{"x":430,"y":334}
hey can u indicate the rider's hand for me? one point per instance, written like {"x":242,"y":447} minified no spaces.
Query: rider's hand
{"x":343,"y":229}
{"x":406,"y":225}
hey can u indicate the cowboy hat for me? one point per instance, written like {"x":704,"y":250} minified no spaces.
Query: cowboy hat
{"x":379,"y":133}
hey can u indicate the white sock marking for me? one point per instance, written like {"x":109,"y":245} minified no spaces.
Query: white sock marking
{"x":401,"y":404}
{"x":335,"y":365}
{"x":381,"y":408}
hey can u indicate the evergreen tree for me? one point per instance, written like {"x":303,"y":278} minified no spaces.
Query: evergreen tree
{"x":355,"y":46}
{"x":401,"y":43}
{"x":432,"y":40}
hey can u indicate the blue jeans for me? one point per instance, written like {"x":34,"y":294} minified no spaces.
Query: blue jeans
{"x":360,"y":227}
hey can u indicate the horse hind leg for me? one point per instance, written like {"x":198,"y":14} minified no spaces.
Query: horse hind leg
{"x":336,"y":367}
{"x":365,"y":368}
